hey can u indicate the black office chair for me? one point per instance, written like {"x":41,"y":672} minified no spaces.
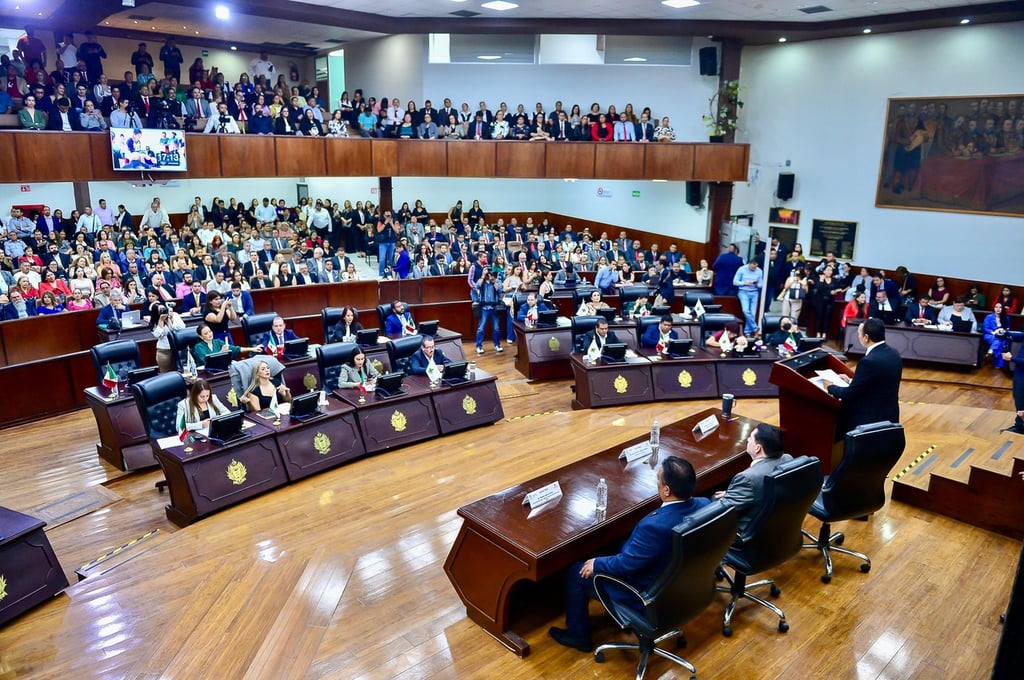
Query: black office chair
{"x":182,"y":340}
{"x":629,"y":294}
{"x":399,"y":351}
{"x":681,"y":592}
{"x":712,"y":323}
{"x":773,"y":535}
{"x":690,"y":298}
{"x":581,"y":295}
{"x":329,"y":360}
{"x":770,"y":324}
{"x":383,"y":312}
{"x":581,"y":325}
{"x":256,"y":326}
{"x":519,"y":299}
{"x":329,"y":318}
{"x":157,"y":400}
{"x":856,"y":487}
{"x":642,"y":323}
{"x":122,"y":355}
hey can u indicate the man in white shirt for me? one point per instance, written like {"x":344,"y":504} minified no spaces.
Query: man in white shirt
{"x":222,"y":122}
{"x":320,"y":220}
{"x":266,"y":212}
{"x":262,"y":67}
{"x":624,"y":130}
{"x":88,"y":221}
{"x":207,"y":233}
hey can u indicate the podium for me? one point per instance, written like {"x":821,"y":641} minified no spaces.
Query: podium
{"x":809,"y":417}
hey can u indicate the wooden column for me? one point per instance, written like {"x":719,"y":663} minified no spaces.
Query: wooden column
{"x":386,"y":199}
{"x":720,"y":193}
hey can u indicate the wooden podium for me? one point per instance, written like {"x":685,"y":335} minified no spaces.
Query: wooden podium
{"x":808,"y":415}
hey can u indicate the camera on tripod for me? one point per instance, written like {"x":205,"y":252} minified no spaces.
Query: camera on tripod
{"x":223,"y":121}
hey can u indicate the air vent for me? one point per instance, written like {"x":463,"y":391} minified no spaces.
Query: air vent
{"x":465,"y":14}
{"x":335,"y":41}
{"x":140,"y":17}
{"x":297,"y":45}
{"x":817,"y":9}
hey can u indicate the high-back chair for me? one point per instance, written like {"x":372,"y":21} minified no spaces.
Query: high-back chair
{"x":330,"y":359}
{"x":122,"y":355}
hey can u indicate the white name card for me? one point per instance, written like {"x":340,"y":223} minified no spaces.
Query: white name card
{"x":545,"y":494}
{"x":636,"y":452}
{"x":707,"y":425}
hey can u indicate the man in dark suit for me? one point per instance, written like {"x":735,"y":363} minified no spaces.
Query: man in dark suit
{"x":241,"y":300}
{"x":1018,"y":381}
{"x":427,"y":360}
{"x":277,"y":335}
{"x":595,"y":340}
{"x":643,"y":557}
{"x":644,"y":129}
{"x":561,"y":131}
{"x":873,"y":394}
{"x":883,"y":307}
{"x":479,"y":128}
{"x":920,"y":313}
{"x":17,"y":308}
{"x":745,"y":491}
{"x":63,"y":117}
{"x":657,"y":335}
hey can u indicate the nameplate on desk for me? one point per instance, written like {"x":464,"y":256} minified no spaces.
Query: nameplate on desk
{"x":636,"y":452}
{"x":545,"y":494}
{"x":707,"y":425}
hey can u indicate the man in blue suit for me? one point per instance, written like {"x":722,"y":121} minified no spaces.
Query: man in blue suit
{"x":427,"y":360}
{"x":641,"y":560}
{"x":532,"y":307}
{"x":658,"y":335}
{"x":920,"y":313}
{"x":277,"y":336}
{"x":241,"y":299}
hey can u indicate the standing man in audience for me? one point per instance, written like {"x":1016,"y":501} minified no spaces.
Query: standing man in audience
{"x":93,"y":54}
{"x":725,"y":267}
{"x":88,"y":221}
{"x":873,"y":394}
{"x":388,"y":230}
{"x":746,"y":490}
{"x":154,"y":217}
{"x":19,"y":224}
{"x":172,"y":58}
{"x":748,"y":282}
{"x":262,"y":67}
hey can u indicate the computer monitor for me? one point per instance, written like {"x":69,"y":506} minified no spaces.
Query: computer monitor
{"x":807,"y":344}
{"x":389,"y":385}
{"x":962,"y":326}
{"x":680,"y":348}
{"x":660,"y":310}
{"x":296,"y":349}
{"x":547,"y":317}
{"x":367,"y":337}
{"x":608,"y":313}
{"x":614,"y":352}
{"x":131,"y":319}
{"x":454,"y":373}
{"x":428,"y":328}
{"x":139,"y":374}
{"x":218,"y":362}
{"x":305,"y":406}
{"x":224,"y":429}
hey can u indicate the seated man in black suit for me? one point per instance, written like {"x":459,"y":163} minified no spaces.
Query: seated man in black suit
{"x":883,"y":308}
{"x":592,"y":343}
{"x":528,"y":313}
{"x":873,"y":394}
{"x":428,"y":360}
{"x":764,"y":446}
{"x":920,"y":313}
{"x":657,"y":335}
{"x":643,"y":557}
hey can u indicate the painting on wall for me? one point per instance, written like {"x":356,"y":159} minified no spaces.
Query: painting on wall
{"x":954,"y":154}
{"x":784,"y":216}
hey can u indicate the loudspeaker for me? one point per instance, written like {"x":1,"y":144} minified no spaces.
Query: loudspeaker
{"x":708,"y":61}
{"x":693,"y":194}
{"x":784,"y":191}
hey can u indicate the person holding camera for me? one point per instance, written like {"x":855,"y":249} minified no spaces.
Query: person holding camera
{"x":162,"y":320}
{"x":388,"y":232}
{"x":222,"y":122}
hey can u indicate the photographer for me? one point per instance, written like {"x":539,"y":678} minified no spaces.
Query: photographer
{"x":388,"y":232}
{"x":125,"y":115}
{"x":222,"y":122}
{"x":162,"y":320}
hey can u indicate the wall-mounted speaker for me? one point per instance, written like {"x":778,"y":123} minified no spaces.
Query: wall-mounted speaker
{"x":784,"y":191}
{"x":693,"y":194}
{"x":708,"y":61}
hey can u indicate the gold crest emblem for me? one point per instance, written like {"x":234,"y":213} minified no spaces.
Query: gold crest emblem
{"x":322,"y":443}
{"x":685,"y":379}
{"x":233,"y":398}
{"x":237,"y":472}
{"x":378,"y":365}
{"x":309,"y":382}
{"x":469,"y":405}
{"x":398,"y":421}
{"x":3,"y":587}
{"x":553,"y":344}
{"x":749,"y":377}
{"x":621,"y":384}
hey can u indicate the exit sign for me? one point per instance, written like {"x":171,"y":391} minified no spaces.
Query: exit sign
{"x":636,"y":194}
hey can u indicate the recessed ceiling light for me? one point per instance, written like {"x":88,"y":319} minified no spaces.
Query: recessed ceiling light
{"x":234,"y":48}
{"x":39,"y":14}
{"x":634,"y":59}
{"x":107,"y":23}
{"x":499,"y":5}
{"x":679,"y":4}
{"x":197,"y":32}
{"x":222,"y":12}
{"x":866,"y":31}
{"x":136,"y":21}
{"x":489,"y":57}
{"x":965,"y":20}
{"x":782,"y":39}
{"x":185,"y":27}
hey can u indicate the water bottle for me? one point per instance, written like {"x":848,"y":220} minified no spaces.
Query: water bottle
{"x":655,"y":438}
{"x":602,"y":496}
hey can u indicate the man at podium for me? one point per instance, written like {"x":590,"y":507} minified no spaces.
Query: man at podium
{"x":873,"y":394}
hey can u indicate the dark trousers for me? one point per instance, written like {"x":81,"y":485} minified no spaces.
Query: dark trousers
{"x":578,"y":593}
{"x":1018,"y":398}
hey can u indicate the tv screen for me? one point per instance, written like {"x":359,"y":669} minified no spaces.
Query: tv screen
{"x":142,"y":150}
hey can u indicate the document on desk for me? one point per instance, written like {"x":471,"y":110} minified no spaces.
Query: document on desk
{"x":828,"y":375}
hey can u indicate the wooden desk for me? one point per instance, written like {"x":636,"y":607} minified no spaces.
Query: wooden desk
{"x":387,"y":423}
{"x":502,"y":542}
{"x":924,"y":344}
{"x":213,"y":477}
{"x":746,"y":376}
{"x":610,"y":384}
{"x":123,"y":442}
{"x":468,"y":404}
{"x":693,"y":378}
{"x":543,"y":353}
{"x":29,"y":571}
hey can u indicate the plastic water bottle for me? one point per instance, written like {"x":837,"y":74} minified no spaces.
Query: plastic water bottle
{"x":602,"y":496}
{"x":655,"y":437}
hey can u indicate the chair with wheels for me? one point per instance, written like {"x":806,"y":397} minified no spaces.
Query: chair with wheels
{"x":329,"y":318}
{"x":772,"y":536}
{"x":121,"y":355}
{"x":181,"y":341}
{"x":712,"y":323}
{"x":581,"y":325}
{"x":330,"y":359}
{"x":681,"y":592}
{"x":642,"y":323}
{"x":157,"y":400}
{"x":770,"y":324}
{"x":256,"y":326}
{"x":856,"y":487}
{"x":630,"y":294}
{"x":400,"y":349}
{"x":383,"y":312}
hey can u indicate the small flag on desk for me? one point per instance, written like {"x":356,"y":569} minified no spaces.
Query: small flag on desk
{"x":109,"y":377}
{"x":362,"y":388}
{"x":182,"y":429}
{"x":271,"y":347}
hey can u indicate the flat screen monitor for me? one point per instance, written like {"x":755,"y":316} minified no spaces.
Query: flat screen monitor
{"x":218,"y":362}
{"x":147,"y":150}
{"x":224,"y":429}
{"x":547,"y":317}
{"x":807,"y":344}
{"x":139,"y":374}
{"x":305,"y":406}
{"x":614,"y":352}
{"x":680,"y":348}
{"x":296,"y":349}
{"x":454,"y":372}
{"x":389,"y":385}
{"x":367,"y":337}
{"x":608,"y":313}
{"x":428,"y":328}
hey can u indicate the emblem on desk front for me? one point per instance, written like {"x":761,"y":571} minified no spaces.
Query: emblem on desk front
{"x":309,"y":382}
{"x":553,"y":344}
{"x":685,"y":379}
{"x":3,"y":587}
{"x":233,"y":398}
{"x":378,"y":365}
{"x":469,"y":405}
{"x":621,"y":384}
{"x":398,"y":421}
{"x":749,"y":377}
{"x":237,"y":472}
{"x":322,"y":443}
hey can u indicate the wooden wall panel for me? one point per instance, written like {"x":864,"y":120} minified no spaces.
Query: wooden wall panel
{"x":246,"y":156}
{"x":359,"y":294}
{"x":102,"y":166}
{"x":721,"y":162}
{"x":9,"y":171}
{"x":204,"y":158}
{"x":42,"y":388}
{"x":53,"y":156}
{"x":423,"y":158}
{"x":620,"y":160}
{"x":570,"y":159}
{"x":385,"y":157}
{"x":519,"y":159}
{"x":471,"y":159}
{"x":349,"y":157}
{"x":668,"y":161}
{"x":300,"y":157}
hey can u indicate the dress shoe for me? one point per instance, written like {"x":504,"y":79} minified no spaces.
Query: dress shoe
{"x":566,"y":639}
{"x":1013,"y":429}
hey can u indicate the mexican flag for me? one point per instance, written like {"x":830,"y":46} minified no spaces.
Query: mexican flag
{"x":182,"y":430}
{"x":271,"y":347}
{"x":109,"y":377}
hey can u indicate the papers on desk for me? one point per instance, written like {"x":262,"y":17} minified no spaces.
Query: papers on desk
{"x":828,"y":375}
{"x":630,"y":354}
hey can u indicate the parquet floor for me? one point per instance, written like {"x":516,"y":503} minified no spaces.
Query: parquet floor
{"x":340,"y":576}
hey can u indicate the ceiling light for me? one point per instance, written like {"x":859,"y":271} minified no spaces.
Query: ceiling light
{"x":107,"y":23}
{"x":782,"y":39}
{"x":489,"y":57}
{"x":136,"y":21}
{"x":197,"y":32}
{"x":499,"y":5}
{"x":678,"y":4}
{"x":634,"y":59}
{"x":965,"y":20}
{"x":222,"y":12}
{"x":234,"y":48}
{"x":39,"y":14}
{"x":866,"y":31}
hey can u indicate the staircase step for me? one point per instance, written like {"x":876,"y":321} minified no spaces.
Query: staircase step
{"x":121,"y":554}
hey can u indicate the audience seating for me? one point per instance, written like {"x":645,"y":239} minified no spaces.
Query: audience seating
{"x":400,"y":349}
{"x":856,"y":487}
{"x":773,"y":534}
{"x":330,"y":359}
{"x":679,"y":594}
{"x":256,"y":326}
{"x":122,"y":355}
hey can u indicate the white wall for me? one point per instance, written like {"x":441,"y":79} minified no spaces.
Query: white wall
{"x":391,"y":66}
{"x":822,"y":106}
{"x":178,"y":199}
{"x":506,"y":195}
{"x":54,"y":194}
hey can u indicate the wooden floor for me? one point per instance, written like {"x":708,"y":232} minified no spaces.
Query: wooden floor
{"x":340,"y":576}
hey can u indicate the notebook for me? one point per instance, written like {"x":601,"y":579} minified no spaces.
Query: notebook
{"x":131,"y":319}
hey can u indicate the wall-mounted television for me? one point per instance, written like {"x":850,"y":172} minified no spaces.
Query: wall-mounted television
{"x":147,"y":150}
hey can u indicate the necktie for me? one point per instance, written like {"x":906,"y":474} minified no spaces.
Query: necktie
{"x":478,"y":129}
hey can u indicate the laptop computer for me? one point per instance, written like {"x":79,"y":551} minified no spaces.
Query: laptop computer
{"x":547,"y":317}
{"x":296,"y":349}
{"x":680,"y":348}
{"x":226,"y":429}
{"x":428,"y":328}
{"x":389,"y":385}
{"x":608,"y":313}
{"x":139,"y":374}
{"x":131,"y":319}
{"x":454,"y":373}
{"x":218,"y":362}
{"x":807,"y":344}
{"x":614,"y":353}
{"x":306,"y":407}
{"x":367,"y":337}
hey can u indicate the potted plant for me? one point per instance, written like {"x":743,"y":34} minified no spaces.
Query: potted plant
{"x":723,"y":109}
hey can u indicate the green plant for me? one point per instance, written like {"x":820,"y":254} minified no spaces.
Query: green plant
{"x":724,"y":107}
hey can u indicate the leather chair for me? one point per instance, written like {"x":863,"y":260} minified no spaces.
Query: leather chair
{"x":581,"y":295}
{"x":712,"y":323}
{"x":329,"y":318}
{"x":256,"y":326}
{"x":122,"y":355}
{"x":629,"y":294}
{"x":519,"y":299}
{"x":240,"y":372}
{"x":856,"y":487}
{"x":399,"y":351}
{"x":157,"y":400}
{"x":773,"y":535}
{"x":383,"y":312}
{"x":680,"y":593}
{"x":581,"y":325}
{"x":770,"y":324}
{"x":329,"y":360}
{"x":182,"y":340}
{"x":642,"y":324}
{"x":690,"y":298}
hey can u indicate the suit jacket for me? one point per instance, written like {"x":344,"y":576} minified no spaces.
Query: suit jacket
{"x":747,"y":489}
{"x":329,"y":276}
{"x":645,"y":131}
{"x":561,"y":131}
{"x":888,"y":317}
{"x":873,"y":394}
{"x":653,"y":334}
{"x":914,"y":312}
{"x":289,"y":334}
{"x":246,"y":298}
{"x":418,"y":361}
{"x":53,"y":122}
{"x":393,"y":323}
{"x":583,"y":341}
{"x":485,"y":130}
{"x":8,"y":311}
{"x":190,"y":300}
{"x":194,"y":111}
